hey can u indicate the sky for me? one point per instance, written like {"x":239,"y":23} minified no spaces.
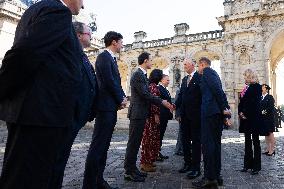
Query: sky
{"x":155,"y":17}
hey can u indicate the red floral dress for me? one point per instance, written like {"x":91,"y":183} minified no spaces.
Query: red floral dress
{"x":151,"y":134}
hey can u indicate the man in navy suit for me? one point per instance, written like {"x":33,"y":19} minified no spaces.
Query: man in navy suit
{"x":40,"y":81}
{"x":165,"y":113}
{"x":189,"y":102}
{"x":88,"y":91}
{"x":214,"y":108}
{"x":110,"y":99}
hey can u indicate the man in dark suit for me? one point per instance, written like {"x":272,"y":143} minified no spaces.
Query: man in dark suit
{"x":214,"y":107}
{"x":165,"y":114}
{"x":86,"y":99}
{"x":189,"y":102}
{"x":138,"y":112}
{"x":39,"y":83}
{"x":110,"y":98}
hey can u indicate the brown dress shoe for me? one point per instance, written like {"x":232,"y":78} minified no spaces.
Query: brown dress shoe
{"x":147,"y":168}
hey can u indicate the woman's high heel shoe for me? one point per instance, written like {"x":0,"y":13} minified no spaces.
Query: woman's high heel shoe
{"x":272,"y":154}
{"x":265,"y":153}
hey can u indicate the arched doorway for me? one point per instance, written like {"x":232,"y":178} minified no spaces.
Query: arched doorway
{"x":214,"y":57}
{"x":276,"y":67}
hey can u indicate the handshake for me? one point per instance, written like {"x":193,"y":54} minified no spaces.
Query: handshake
{"x":123,"y":104}
{"x":227,"y":117}
{"x":168,"y":105}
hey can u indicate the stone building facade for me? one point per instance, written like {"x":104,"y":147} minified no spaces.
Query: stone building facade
{"x":10,"y":14}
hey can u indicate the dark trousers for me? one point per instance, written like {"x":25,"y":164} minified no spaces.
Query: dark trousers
{"x":211,"y":132}
{"x":191,"y":142}
{"x":179,"y":147}
{"x":252,"y":159}
{"x":97,"y":155}
{"x":30,"y":156}
{"x":58,"y":171}
{"x":136,"y":128}
{"x":163,"y":127}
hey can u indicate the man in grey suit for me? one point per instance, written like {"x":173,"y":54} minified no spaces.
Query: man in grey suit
{"x":138,"y":112}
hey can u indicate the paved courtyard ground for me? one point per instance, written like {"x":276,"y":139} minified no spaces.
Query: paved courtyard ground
{"x":167,"y":177}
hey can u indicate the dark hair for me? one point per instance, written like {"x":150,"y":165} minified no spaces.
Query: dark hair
{"x":155,"y":76}
{"x":142,"y":57}
{"x":266,"y":86}
{"x":79,"y":27}
{"x":206,"y":60}
{"x":110,"y":36}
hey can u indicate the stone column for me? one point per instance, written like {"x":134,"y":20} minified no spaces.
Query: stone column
{"x":229,"y":76}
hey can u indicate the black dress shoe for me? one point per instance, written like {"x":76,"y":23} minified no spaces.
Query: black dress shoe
{"x":220,"y":181}
{"x":159,"y":159}
{"x":162,"y":156}
{"x":134,"y":177}
{"x":193,"y":174}
{"x":273,"y":153}
{"x":265,"y":152}
{"x":185,"y":169}
{"x":244,"y":170}
{"x":204,"y":183}
{"x":179,"y":153}
{"x":141,"y":174}
{"x":105,"y":185}
{"x":254,"y":172}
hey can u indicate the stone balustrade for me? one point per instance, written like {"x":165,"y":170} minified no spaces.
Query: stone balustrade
{"x":205,"y":36}
{"x":211,"y":35}
{"x":157,"y":43}
{"x":272,"y":6}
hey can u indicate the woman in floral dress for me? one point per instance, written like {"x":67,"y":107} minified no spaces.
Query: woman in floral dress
{"x":151,"y":134}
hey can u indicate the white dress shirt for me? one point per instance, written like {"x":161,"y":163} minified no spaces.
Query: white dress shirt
{"x":112,"y":54}
{"x":144,"y":71}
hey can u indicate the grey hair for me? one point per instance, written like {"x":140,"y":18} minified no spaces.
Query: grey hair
{"x":249,"y":74}
{"x":192,"y":61}
{"x":79,"y":27}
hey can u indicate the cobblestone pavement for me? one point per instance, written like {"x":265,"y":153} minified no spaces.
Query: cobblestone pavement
{"x":167,"y":177}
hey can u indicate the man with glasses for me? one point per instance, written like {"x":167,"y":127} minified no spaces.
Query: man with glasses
{"x":86,"y":99}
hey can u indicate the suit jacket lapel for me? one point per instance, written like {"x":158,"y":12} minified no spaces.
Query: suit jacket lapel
{"x":145,"y":78}
{"x":90,"y":76}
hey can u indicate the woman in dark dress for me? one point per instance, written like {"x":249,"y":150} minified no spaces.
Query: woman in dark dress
{"x":151,"y":134}
{"x":249,"y":113}
{"x":268,"y":119}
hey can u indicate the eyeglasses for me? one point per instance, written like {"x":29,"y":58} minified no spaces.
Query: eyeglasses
{"x":87,"y":33}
